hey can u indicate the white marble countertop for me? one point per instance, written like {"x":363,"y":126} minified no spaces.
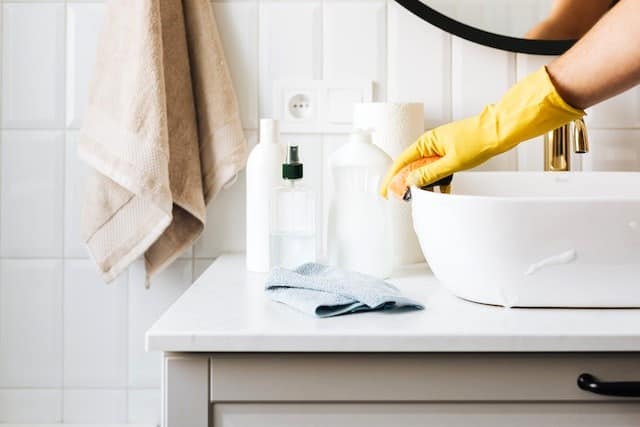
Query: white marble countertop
{"x":225,"y":310}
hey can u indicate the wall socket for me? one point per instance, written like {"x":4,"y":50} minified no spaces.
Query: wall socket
{"x":318,"y":106}
{"x":300,"y":106}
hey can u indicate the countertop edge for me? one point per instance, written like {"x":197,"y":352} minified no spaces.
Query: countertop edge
{"x":316,"y":344}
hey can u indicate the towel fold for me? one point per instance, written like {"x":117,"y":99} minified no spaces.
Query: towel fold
{"x":325,"y":291}
{"x":162,"y":132}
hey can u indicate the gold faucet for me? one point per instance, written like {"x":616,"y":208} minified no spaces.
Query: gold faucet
{"x":557,"y":145}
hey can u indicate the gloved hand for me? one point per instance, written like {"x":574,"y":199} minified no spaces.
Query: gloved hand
{"x":529,"y":109}
{"x":398,"y":185}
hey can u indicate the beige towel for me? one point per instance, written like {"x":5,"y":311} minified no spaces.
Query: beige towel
{"x":162,"y":132}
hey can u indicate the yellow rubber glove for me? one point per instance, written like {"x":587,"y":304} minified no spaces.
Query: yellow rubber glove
{"x":529,"y":109}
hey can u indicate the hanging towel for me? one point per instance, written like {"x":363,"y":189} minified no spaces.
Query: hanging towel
{"x":162,"y":132}
{"x":324,"y":291}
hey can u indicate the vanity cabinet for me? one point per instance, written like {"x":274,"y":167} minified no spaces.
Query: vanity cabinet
{"x":234,"y":359}
{"x":370,"y":390}
{"x":404,"y":390}
{"x":424,"y":414}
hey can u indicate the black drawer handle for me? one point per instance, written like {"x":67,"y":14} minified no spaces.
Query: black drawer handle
{"x":588,"y":382}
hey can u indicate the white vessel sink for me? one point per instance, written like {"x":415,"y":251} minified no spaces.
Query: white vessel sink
{"x":534,"y":239}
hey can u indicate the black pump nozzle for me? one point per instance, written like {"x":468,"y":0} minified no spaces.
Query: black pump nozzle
{"x":292,"y":168}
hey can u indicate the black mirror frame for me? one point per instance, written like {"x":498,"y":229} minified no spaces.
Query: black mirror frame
{"x":513,"y":44}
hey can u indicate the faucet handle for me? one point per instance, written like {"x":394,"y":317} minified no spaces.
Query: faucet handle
{"x":580,"y":137}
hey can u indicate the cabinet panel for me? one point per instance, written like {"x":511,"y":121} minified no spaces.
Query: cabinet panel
{"x":413,"y":377}
{"x":420,"y":415}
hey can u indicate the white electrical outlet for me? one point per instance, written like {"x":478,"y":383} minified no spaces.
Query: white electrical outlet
{"x":318,"y":106}
{"x":300,"y":106}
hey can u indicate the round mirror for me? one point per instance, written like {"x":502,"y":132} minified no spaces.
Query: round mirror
{"x":543,"y":27}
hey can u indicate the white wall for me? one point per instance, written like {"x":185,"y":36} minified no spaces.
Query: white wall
{"x":71,"y":348}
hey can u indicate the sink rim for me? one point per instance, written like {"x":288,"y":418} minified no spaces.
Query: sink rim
{"x":419,"y":193}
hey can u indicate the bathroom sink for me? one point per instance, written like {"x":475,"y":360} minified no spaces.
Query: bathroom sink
{"x":535,"y":239}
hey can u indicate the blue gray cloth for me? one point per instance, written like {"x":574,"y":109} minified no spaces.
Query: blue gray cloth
{"x":324,"y":291}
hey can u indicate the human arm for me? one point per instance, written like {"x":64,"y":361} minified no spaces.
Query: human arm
{"x":602,"y":64}
{"x":605,"y":62}
{"x":569,"y":19}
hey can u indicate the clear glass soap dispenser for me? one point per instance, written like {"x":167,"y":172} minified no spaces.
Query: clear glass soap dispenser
{"x":293,"y":218}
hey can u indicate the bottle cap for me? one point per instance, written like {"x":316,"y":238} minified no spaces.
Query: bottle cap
{"x":292,"y":168}
{"x":269,"y":131}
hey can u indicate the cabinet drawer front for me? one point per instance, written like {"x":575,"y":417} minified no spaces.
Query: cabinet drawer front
{"x":426,"y":414}
{"x":414,"y":377}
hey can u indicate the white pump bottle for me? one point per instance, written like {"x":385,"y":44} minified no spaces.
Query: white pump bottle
{"x":263,"y":175}
{"x":358,"y":235}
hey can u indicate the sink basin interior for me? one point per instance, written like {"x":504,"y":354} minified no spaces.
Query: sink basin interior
{"x":548,"y":185}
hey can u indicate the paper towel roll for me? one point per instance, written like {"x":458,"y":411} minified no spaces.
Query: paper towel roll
{"x":395,"y":126}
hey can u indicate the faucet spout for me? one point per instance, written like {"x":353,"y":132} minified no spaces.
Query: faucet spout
{"x":580,"y":137}
{"x":558,"y":144}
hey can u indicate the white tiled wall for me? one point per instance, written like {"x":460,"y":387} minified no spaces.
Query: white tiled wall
{"x":71,"y":348}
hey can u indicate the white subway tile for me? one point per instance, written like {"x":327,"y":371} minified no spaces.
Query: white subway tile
{"x":95,"y":327}
{"x":76,"y":176}
{"x":238,"y":26}
{"x":527,"y":64}
{"x":354,"y":42}
{"x":187,"y":254}
{"x":531,"y":153}
{"x":33,"y":65}
{"x":144,"y":406}
{"x":145,"y":307}
{"x":290,"y":44}
{"x":31,"y":323}
{"x":419,"y":65}
{"x":30,"y":406}
{"x":95,"y":406}
{"x":225,"y":227}
{"x":622,"y":111}
{"x":613,"y":150}
{"x":200,"y":265}
{"x":84,"y":22}
{"x":31,"y":193}
{"x":480,"y":76}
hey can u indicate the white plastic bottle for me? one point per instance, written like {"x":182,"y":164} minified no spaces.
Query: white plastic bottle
{"x":293,"y":218}
{"x":263,"y":175}
{"x":359,"y":235}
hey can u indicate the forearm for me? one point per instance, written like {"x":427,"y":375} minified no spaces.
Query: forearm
{"x":605,"y":62}
{"x":569,"y":19}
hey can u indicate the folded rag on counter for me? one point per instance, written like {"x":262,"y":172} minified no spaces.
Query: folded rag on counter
{"x":162,"y":132}
{"x":325,"y":291}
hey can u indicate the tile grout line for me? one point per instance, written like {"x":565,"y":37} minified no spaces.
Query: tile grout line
{"x":257,"y":75}
{"x":127,"y":345}
{"x":64,"y":209}
{"x":258,"y":22}
{"x":1,"y":150}
{"x":385,"y":20}
{"x":319,"y":193}
{"x":450,"y":78}
{"x":1,"y":115}
{"x":515,"y":80}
